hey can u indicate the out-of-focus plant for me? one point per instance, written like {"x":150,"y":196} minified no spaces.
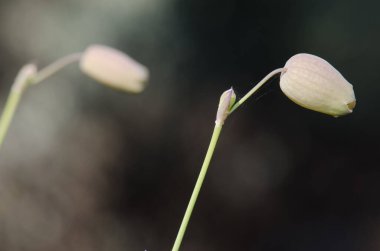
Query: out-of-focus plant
{"x":109,"y":66}
{"x":308,"y":80}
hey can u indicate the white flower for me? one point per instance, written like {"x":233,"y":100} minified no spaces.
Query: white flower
{"x":114,"y":68}
{"x":313,"y":83}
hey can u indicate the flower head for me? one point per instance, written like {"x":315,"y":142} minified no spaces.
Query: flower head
{"x":114,"y":68}
{"x":313,"y":83}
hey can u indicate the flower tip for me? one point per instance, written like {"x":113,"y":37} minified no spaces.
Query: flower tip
{"x":351,"y":105}
{"x":114,"y":68}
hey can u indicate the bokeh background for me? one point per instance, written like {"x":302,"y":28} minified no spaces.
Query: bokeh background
{"x":88,"y":168}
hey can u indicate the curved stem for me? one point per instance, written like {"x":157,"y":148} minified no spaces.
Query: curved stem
{"x":198,"y":185}
{"x":26,"y":76}
{"x":214,"y":139}
{"x":9,"y":110}
{"x":54,"y":67}
{"x":18,"y":87}
{"x":255,"y":88}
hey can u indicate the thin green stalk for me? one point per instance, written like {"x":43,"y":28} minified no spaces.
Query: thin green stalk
{"x":255,"y":88}
{"x":25,"y":77}
{"x":18,"y":87}
{"x":223,"y":111}
{"x":9,"y":110}
{"x":198,"y":185}
{"x":55,"y":67}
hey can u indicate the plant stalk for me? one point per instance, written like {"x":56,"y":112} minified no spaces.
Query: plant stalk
{"x":198,"y":185}
{"x":19,"y":85}
{"x":214,"y":139}
{"x":256,"y":87}
{"x":25,"y":77}
{"x":54,"y":67}
{"x":9,"y":110}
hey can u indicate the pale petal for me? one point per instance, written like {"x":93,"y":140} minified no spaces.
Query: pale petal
{"x":114,"y":68}
{"x":313,"y":83}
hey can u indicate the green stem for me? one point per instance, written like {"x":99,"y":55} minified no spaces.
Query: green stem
{"x":9,"y":110}
{"x":55,"y":67}
{"x":198,"y":185}
{"x":255,"y":88}
{"x":21,"y":82}
{"x":214,"y":139}
{"x":26,"y":76}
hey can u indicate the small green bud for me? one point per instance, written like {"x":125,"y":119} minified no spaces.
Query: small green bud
{"x":227,"y":100}
{"x":114,"y":68}
{"x":26,"y":73}
{"x":313,"y":83}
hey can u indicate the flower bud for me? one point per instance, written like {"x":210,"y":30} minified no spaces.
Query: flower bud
{"x":313,"y":83}
{"x":227,"y":100}
{"x":114,"y":68}
{"x":25,"y":74}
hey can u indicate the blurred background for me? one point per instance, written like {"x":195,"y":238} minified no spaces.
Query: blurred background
{"x":89,"y":168}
